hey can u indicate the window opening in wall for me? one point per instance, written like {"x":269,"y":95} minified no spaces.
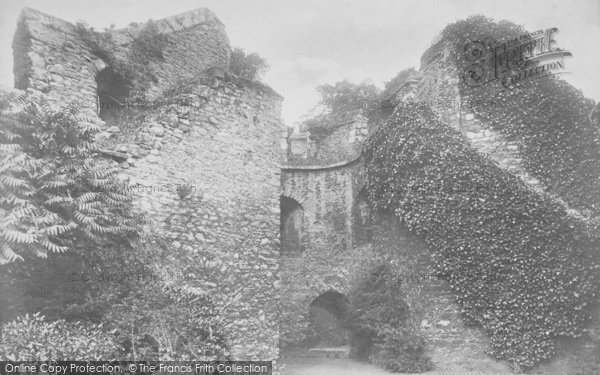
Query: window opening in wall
{"x":112,"y":93}
{"x":361,"y":217}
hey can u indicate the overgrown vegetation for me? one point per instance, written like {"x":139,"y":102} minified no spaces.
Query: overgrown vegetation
{"x":341,"y":100}
{"x":518,"y":263}
{"x":145,"y":49}
{"x":549,"y":117}
{"x":247,"y":65}
{"x":395,"y":83}
{"x":32,"y":338}
{"x":382,"y":333}
{"x":158,"y":322}
{"x":56,"y":195}
{"x":69,"y":237}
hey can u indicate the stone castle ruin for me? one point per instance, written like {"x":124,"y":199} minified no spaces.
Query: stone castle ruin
{"x":282,"y":221}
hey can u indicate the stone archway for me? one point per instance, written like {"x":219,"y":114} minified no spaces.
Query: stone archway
{"x":328,"y":314}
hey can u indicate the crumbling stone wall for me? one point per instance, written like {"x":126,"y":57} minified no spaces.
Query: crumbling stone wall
{"x":208,"y":171}
{"x":342,"y":143}
{"x":51,"y":56}
{"x":195,"y":42}
{"x":205,"y":161}
{"x":438,"y":87}
{"x":326,"y":196}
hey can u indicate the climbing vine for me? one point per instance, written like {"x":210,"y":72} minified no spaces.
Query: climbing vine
{"x":518,"y":263}
{"x":549,"y":117}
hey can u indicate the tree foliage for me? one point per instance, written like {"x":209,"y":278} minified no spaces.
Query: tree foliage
{"x":344,"y":96}
{"x":56,"y":193}
{"x":340,"y":101}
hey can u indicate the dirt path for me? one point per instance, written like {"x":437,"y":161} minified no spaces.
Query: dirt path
{"x":327,"y":366}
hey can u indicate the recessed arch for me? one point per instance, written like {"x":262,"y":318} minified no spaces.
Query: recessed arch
{"x":361,"y":219}
{"x":328,"y":320}
{"x":291,"y":225}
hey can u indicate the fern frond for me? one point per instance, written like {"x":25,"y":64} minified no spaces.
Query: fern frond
{"x":12,"y":181}
{"x":7,"y":255}
{"x":15,"y":236}
{"x":47,"y":244}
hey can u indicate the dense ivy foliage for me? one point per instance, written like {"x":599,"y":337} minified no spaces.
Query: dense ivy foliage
{"x":519,"y":265}
{"x":550,"y":118}
{"x":380,"y":324}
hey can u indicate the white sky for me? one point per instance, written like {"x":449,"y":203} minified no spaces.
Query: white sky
{"x":309,"y":42}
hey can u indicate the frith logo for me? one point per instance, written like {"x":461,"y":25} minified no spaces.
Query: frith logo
{"x":533,"y":55}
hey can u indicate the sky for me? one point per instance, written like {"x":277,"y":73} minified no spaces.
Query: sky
{"x":311,"y":42}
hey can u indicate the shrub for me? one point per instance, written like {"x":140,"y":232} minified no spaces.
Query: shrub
{"x":56,"y":194}
{"x":380,"y":324}
{"x":149,"y":44}
{"x":401,"y":351}
{"x":31,"y":338}
{"x":250,"y":66}
{"x":155,"y":322}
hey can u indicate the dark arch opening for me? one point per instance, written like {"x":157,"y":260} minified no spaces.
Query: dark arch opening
{"x":329,"y":314}
{"x":290,"y":230}
{"x":362,"y":219}
{"x":112,"y":90}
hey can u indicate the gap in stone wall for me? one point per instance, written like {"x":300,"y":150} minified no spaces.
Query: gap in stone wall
{"x":112,"y":93}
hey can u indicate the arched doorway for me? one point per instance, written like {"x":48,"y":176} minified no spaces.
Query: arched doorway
{"x":328,"y":320}
{"x":291,"y":218}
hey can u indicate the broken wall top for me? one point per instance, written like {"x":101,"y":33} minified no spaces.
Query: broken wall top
{"x":51,"y":56}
